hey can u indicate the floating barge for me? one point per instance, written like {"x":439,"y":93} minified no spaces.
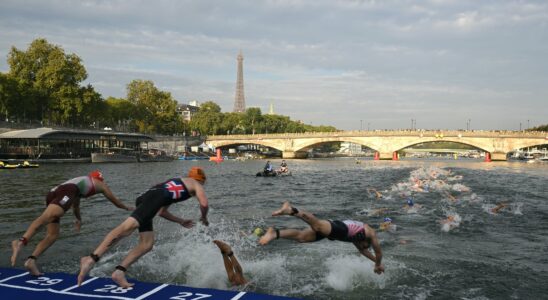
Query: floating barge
{"x":48,"y":143}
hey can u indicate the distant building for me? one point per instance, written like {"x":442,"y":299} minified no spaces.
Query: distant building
{"x":187,"y":111}
{"x":271,"y":109}
{"x":350,"y":148}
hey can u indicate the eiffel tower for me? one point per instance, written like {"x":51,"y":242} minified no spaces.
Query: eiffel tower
{"x":239,"y":99}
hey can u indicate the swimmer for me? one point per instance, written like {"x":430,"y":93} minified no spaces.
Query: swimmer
{"x":410,"y":206}
{"x":387,"y":225}
{"x":60,"y":199}
{"x":361,"y":235}
{"x":377,"y":193}
{"x":155,"y":200}
{"x":498,"y":208}
{"x":232,"y":266}
{"x":377,"y":212}
{"x":255,"y":235}
{"x":451,"y":222}
{"x":451,"y":197}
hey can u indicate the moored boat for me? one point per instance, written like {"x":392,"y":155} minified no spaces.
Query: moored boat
{"x":112,"y":157}
{"x":24,"y":165}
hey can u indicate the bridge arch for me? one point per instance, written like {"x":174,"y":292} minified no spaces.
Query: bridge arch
{"x":222,"y":144}
{"x":307,"y":144}
{"x":528,"y":144}
{"x":444,"y":140}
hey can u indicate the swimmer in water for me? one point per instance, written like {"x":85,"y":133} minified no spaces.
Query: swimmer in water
{"x":377,"y":212}
{"x":451,"y":197}
{"x":232,"y":266}
{"x":255,"y":235}
{"x":155,"y":200}
{"x":452,"y":221}
{"x":410,"y":206}
{"x":387,"y":225}
{"x":58,"y":201}
{"x":361,"y":235}
{"x":378,"y":195}
{"x":498,"y":208}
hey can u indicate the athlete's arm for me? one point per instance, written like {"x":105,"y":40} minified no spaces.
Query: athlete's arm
{"x":164,"y":213}
{"x":379,"y":268}
{"x":110,"y":196}
{"x":202,"y":199}
{"x":76,"y":210}
{"x":377,"y":257}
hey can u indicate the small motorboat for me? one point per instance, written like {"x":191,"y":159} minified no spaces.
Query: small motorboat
{"x":266,"y":174}
{"x":24,"y":165}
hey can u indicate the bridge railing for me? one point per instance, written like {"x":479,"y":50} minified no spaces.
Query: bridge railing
{"x":376,"y":133}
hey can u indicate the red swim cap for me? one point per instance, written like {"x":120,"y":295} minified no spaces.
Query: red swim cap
{"x":198,"y":174}
{"x":97,"y":175}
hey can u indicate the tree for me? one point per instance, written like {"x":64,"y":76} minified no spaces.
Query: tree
{"x":119,"y":113}
{"x":252,"y":120}
{"x":540,"y":128}
{"x":233,"y":123}
{"x":155,"y":110}
{"x":50,"y":79}
{"x":9,"y":97}
{"x":209,"y":119}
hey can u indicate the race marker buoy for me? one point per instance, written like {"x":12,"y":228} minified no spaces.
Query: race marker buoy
{"x":218,"y":158}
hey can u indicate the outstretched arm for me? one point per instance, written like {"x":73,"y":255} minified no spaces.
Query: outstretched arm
{"x":377,"y":257}
{"x":202,"y":199}
{"x":164,"y":213}
{"x":110,"y":196}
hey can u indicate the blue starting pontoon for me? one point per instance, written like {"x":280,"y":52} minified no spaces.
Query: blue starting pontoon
{"x":18,"y":284}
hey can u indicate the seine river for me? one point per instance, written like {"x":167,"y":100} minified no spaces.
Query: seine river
{"x":480,"y":255}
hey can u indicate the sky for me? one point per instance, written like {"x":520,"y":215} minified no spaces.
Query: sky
{"x":430,"y":64}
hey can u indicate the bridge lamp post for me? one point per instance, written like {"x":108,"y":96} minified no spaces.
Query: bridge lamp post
{"x":361,"y":124}
{"x":519,"y":126}
{"x":368,"y":126}
{"x":527,"y":124}
{"x":469,"y":124}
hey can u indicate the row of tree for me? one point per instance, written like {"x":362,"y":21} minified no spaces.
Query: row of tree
{"x":44,"y":84}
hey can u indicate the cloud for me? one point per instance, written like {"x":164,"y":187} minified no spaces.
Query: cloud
{"x":322,"y":61}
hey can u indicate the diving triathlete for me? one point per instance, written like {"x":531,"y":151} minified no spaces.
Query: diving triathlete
{"x":58,"y":201}
{"x":232,"y":266}
{"x":155,"y":200}
{"x":361,"y":235}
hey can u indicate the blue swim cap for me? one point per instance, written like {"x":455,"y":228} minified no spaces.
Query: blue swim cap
{"x":410,"y":202}
{"x":387,"y":219}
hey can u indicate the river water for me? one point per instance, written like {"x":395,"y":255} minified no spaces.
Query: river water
{"x":481,"y":255}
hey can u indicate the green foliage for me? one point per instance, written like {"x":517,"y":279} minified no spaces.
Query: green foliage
{"x":540,"y":128}
{"x":49,"y":82}
{"x":155,"y":110}
{"x":208,"y":120}
{"x":10,"y":97}
{"x":44,"y":84}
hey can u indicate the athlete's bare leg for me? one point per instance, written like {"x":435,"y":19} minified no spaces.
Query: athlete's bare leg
{"x":50,"y":213}
{"x":232,"y":266}
{"x":284,"y":210}
{"x":146,"y":241}
{"x":51,"y":237}
{"x":123,"y":230}
{"x":318,"y":225}
{"x":225,"y":250}
{"x":307,"y":235}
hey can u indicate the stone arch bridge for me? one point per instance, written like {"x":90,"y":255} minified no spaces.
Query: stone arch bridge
{"x":387,"y":142}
